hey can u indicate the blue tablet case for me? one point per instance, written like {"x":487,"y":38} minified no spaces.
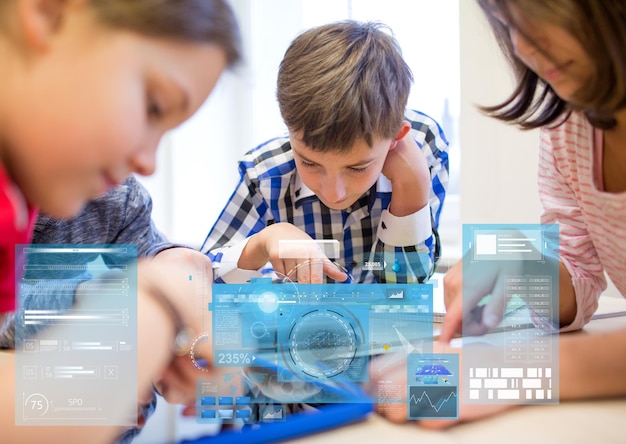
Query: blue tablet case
{"x":350,"y":404}
{"x":300,"y":424}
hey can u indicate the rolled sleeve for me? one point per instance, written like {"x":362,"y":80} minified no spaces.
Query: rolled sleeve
{"x":225,"y":270}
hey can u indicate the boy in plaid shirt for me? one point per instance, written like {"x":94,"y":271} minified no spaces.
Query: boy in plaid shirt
{"x":356,"y":167}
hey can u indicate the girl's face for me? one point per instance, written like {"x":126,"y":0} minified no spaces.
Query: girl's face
{"x":552,"y":53}
{"x":89,"y":108}
{"x":340,"y":179}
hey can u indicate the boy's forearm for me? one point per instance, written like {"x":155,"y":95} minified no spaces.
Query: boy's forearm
{"x":254,"y":254}
{"x":410,"y":184}
{"x":409,"y":196}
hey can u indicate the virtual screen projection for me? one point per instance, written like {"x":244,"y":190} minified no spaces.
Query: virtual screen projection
{"x":433,"y":381}
{"x":72,"y":367}
{"x":290,"y":343}
{"x":516,"y":362}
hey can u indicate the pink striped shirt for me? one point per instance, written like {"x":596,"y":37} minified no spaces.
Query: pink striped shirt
{"x":592,"y":222}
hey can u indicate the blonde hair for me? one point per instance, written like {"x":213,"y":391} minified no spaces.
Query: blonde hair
{"x":342,"y":82}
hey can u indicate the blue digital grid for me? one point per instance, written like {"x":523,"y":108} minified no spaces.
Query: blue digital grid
{"x":312,"y":337}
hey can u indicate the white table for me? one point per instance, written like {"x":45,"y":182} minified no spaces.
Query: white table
{"x":571,"y":422}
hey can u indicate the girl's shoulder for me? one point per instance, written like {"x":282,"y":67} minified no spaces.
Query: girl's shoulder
{"x":574,"y":132}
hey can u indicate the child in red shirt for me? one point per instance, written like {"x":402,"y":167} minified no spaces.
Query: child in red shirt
{"x":87,"y":89}
{"x":16,"y":223}
{"x":85,"y":95}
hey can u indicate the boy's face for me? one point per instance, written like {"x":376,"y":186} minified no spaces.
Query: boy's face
{"x":90,"y":108}
{"x":340,"y":179}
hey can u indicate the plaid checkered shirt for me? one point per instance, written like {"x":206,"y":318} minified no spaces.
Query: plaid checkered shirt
{"x":375,"y":246}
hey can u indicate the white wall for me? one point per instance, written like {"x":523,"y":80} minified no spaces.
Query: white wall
{"x":498,"y":161}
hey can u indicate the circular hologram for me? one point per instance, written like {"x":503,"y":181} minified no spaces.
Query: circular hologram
{"x":200,"y":351}
{"x":258,"y":329}
{"x":268,"y":302}
{"x":322,"y":344}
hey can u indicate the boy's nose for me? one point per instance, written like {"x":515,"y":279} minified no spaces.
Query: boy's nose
{"x":334,"y":189}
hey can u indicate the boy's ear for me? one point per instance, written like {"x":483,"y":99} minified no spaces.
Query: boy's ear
{"x":404,"y":130}
{"x":40,"y":20}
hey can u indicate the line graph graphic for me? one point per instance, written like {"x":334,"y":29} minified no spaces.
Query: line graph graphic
{"x":433,"y":386}
{"x":433,"y":402}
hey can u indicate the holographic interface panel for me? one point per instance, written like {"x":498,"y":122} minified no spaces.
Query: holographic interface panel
{"x":73,"y":366}
{"x":306,"y":343}
{"x":433,"y":381}
{"x":516,"y":362}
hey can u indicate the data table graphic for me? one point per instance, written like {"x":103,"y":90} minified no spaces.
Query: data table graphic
{"x":516,"y":362}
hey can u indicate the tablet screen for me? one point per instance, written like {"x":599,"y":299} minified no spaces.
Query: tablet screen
{"x":302,"y":350}
{"x":270,"y":411}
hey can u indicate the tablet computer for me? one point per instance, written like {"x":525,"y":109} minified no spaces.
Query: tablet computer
{"x":322,"y":405}
{"x":304,"y":345}
{"x":295,"y":426}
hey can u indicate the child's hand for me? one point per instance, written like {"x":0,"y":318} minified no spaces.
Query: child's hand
{"x":185,"y":276}
{"x":407,"y":169}
{"x":303,"y":262}
{"x":178,"y":383}
{"x":391,"y":370}
{"x":465,"y":313}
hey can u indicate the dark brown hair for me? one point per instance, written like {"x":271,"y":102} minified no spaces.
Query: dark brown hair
{"x":599,"y":26}
{"x":343,"y":82}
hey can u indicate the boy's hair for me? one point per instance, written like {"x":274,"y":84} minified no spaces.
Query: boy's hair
{"x":343,"y":82}
{"x":599,"y":28}
{"x":208,"y":21}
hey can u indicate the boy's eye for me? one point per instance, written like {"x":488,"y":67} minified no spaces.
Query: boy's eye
{"x":358,"y":170}
{"x":307,"y":164}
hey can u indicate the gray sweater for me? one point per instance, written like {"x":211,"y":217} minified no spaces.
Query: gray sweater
{"x":122,"y":216}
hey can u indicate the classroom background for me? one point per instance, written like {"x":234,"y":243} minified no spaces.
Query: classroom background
{"x":456,"y":66}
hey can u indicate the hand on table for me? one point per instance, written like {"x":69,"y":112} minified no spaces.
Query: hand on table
{"x":184,"y":277}
{"x":465,"y":289}
{"x":395,"y":374}
{"x":301,"y":259}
